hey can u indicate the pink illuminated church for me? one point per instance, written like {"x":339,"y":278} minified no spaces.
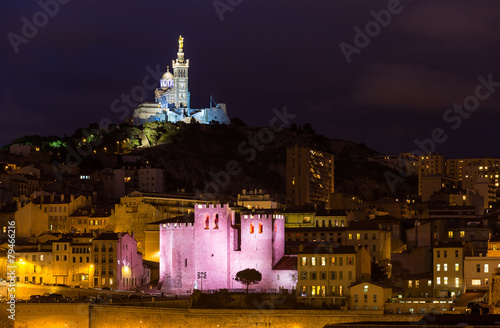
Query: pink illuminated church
{"x":206,"y":249}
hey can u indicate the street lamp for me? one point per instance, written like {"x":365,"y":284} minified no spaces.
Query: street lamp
{"x":201,"y":276}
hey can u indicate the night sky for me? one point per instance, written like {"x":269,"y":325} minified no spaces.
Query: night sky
{"x":264,"y":55}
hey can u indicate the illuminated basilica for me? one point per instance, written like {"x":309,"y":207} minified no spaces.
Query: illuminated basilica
{"x":172,"y":99}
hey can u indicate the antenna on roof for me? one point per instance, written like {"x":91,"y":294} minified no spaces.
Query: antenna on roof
{"x":212,"y":101}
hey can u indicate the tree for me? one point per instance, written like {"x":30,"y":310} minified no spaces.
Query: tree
{"x":237,"y":121}
{"x":248,"y":277}
{"x":392,"y":273}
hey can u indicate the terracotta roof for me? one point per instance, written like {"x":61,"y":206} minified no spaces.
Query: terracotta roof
{"x":456,"y":244}
{"x":186,"y":218}
{"x":287,"y":262}
{"x":363,"y":225}
{"x":328,"y":248}
{"x":108,"y":236}
{"x":373,"y":283}
{"x":385,"y":219}
{"x":101,"y":213}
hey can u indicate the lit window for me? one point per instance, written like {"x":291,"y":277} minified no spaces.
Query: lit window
{"x":450,"y":234}
{"x":358,"y":236}
{"x":438,"y":281}
{"x":438,"y":267}
{"x":260,"y":227}
{"x":445,"y":267}
{"x":476,"y":282}
{"x":486,"y":268}
{"x":350,"y":236}
{"x":333,"y":261}
{"x":323,"y":261}
{"x":410,"y":284}
{"x":429,"y":283}
{"x":445,"y":280}
{"x":216,"y":221}
{"x":457,"y":282}
{"x":207,"y":222}
{"x":304,"y":261}
{"x":251,"y":228}
{"x":457,"y":267}
{"x":417,"y":283}
{"x":313,"y":261}
{"x":462,"y":234}
{"x":41,"y":257}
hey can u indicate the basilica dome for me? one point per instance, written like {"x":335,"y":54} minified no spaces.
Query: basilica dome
{"x":167,"y":76}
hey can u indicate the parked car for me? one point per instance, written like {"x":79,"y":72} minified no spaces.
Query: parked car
{"x":35,"y":298}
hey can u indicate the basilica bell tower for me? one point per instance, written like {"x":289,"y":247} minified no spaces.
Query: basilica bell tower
{"x":181,"y":67}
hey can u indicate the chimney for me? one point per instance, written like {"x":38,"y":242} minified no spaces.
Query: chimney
{"x":62,"y":198}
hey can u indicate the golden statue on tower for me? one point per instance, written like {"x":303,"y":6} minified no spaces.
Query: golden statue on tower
{"x":181,"y":42}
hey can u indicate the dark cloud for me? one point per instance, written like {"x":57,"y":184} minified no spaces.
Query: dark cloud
{"x":404,"y":87}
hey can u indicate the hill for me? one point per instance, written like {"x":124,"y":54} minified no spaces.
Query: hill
{"x":224,"y":159}
{"x":197,"y":159}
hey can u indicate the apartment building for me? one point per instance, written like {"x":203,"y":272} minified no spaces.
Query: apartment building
{"x":325,"y":272}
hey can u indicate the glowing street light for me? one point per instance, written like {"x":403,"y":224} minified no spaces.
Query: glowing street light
{"x":201,"y":276}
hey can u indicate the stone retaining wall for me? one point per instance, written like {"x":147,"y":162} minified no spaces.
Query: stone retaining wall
{"x":111,"y":316}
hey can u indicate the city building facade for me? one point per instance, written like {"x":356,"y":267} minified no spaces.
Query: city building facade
{"x":309,"y":176}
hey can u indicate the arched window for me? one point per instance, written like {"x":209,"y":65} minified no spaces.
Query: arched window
{"x":216,"y":221}
{"x":251,"y":228}
{"x":260,"y":227}
{"x":207,"y":222}
{"x":275,"y":227}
